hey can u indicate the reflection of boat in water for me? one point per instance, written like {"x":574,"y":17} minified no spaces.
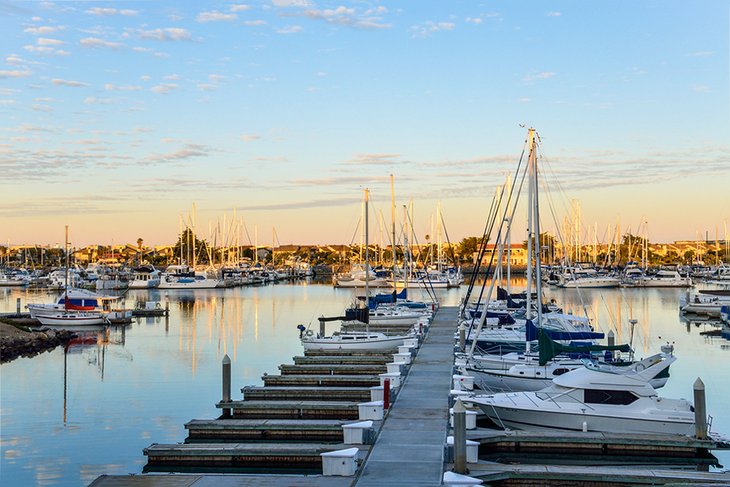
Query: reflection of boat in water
{"x":705,"y":302}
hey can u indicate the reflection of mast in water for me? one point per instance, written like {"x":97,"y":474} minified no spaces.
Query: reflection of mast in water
{"x":256,"y":317}
{"x":65,"y":381}
{"x":645,"y":323}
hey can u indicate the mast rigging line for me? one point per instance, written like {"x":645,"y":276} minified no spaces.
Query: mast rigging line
{"x":498,"y":240}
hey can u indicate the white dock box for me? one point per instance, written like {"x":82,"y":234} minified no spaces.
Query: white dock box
{"x":471,"y":419}
{"x":395,"y":368}
{"x":402,"y":358}
{"x":405,"y":349}
{"x":394,"y":380}
{"x":463,"y":382}
{"x":370,"y":410}
{"x":342,"y":463}
{"x":356,"y":433}
{"x":411,"y":342}
{"x":472,"y":449}
{"x":377,"y":393}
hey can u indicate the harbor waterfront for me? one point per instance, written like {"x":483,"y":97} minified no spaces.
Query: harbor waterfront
{"x":69,"y":417}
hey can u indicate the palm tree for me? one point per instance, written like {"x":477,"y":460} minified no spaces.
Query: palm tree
{"x":139,"y":250}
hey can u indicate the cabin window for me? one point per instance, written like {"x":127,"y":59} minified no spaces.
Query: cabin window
{"x":557,"y":372}
{"x":597,"y":396}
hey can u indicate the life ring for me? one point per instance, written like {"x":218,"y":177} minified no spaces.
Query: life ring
{"x":157,"y":306}
{"x":309,"y":333}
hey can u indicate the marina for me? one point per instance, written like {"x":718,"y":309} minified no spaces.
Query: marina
{"x":208,"y":324}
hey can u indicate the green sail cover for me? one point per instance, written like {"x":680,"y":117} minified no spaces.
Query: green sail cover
{"x":549,"y":348}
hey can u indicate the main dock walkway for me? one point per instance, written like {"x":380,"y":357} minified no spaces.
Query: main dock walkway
{"x":410,"y":447}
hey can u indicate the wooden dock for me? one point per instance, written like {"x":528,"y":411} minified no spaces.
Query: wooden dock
{"x":288,"y":422}
{"x":410,"y":447}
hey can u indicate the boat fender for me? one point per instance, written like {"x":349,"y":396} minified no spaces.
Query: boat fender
{"x":640,"y":367}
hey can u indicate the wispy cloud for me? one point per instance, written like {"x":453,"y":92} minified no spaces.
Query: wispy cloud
{"x":166,"y":34}
{"x":250,"y":137}
{"x":315,"y":203}
{"x":375,"y":159}
{"x":108,"y":12}
{"x":290,"y":29}
{"x":239,"y":7}
{"x":96,"y":42}
{"x":45,"y":41}
{"x":538,"y":76}
{"x":45,"y":50}
{"x":42,"y":30}
{"x":701,"y":88}
{"x":215,"y":16}
{"x":14,"y":74}
{"x":349,"y":16}
{"x":92,"y":100}
{"x":291,"y":3}
{"x":164,"y":88}
{"x":254,"y":23}
{"x":189,"y":151}
{"x":553,"y":14}
{"x":14,"y":59}
{"x":113,"y":87}
{"x":429,"y":28}
{"x":66,"y":82}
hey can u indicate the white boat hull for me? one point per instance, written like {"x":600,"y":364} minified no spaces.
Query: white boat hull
{"x":148,"y":284}
{"x":337,"y":343}
{"x":72,"y":319}
{"x":197,"y":284}
{"x":575,"y":419}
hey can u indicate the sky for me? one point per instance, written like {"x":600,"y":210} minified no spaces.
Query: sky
{"x":122,"y":119}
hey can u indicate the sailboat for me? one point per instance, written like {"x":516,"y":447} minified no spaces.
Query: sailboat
{"x":70,"y":314}
{"x":594,"y":397}
{"x":355,"y":340}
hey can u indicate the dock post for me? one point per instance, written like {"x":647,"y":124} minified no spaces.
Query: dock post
{"x":386,"y":393}
{"x":700,"y":410}
{"x":459,"y":437}
{"x":462,"y":337}
{"x":611,"y":338}
{"x":226,"y":384}
{"x":321,"y":327}
{"x":17,"y":306}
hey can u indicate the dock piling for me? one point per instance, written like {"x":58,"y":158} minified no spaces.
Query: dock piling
{"x":17,"y":307}
{"x":700,"y":410}
{"x":386,"y":393}
{"x":459,"y":437}
{"x":462,"y":337}
{"x":611,"y":338}
{"x":226,"y":385}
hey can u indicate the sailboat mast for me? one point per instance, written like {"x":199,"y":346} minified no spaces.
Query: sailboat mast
{"x":392,"y":221}
{"x":367,"y":262}
{"x":536,"y":215}
{"x":528,"y":314}
{"x":65,"y":298}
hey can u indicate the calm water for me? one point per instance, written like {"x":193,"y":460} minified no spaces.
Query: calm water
{"x":70,"y":417}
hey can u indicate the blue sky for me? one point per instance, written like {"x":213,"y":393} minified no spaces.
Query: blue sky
{"x":118,"y":116}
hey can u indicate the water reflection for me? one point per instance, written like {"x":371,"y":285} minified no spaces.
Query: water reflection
{"x":116,"y":390}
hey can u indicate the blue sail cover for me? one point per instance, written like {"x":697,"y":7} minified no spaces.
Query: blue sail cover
{"x":385,"y":298}
{"x":531,"y":333}
{"x":504,"y":318}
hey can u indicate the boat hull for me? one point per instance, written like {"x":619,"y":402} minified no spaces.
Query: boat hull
{"x":388,"y":343}
{"x":573,"y":418}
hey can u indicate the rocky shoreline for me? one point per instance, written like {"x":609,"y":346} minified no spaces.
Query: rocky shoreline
{"x":15,"y":342}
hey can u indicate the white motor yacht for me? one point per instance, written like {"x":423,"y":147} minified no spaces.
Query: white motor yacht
{"x":592,"y":398}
